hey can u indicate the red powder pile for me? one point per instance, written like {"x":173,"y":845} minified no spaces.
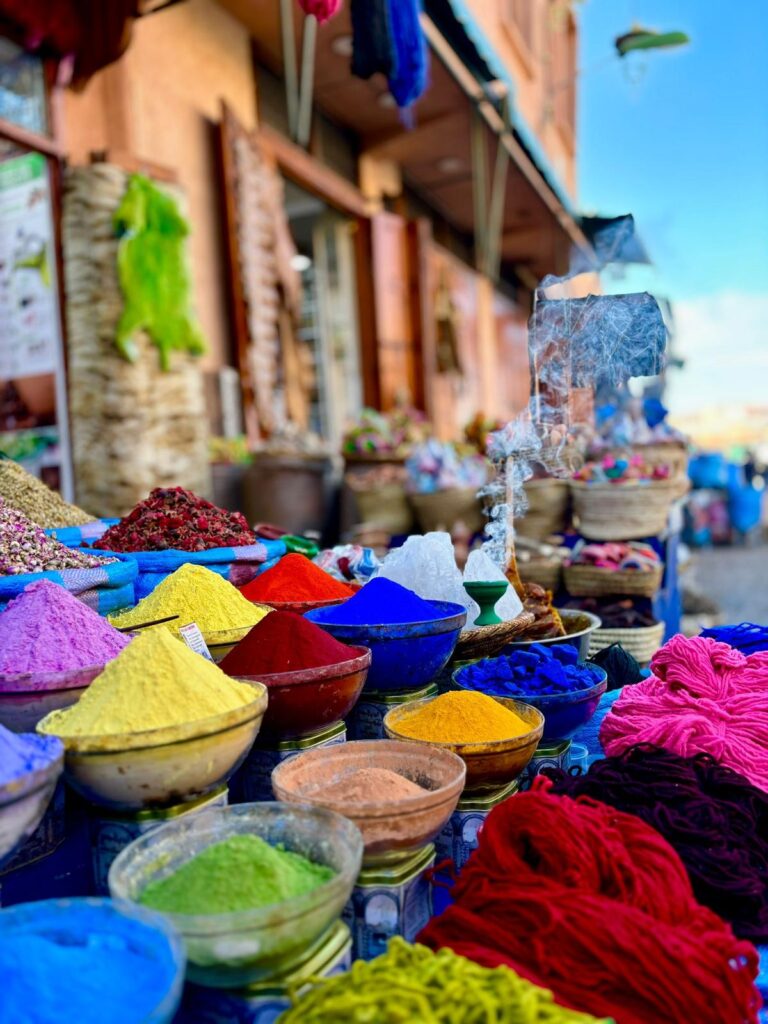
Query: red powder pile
{"x":295,"y":578}
{"x":284,"y":642}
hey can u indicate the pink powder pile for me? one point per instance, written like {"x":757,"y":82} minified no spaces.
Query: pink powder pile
{"x":46,"y":629}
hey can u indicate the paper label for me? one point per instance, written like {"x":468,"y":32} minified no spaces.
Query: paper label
{"x":193,"y":638}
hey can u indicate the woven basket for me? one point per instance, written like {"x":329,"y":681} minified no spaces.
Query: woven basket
{"x":660,"y":453}
{"x":385,"y":505}
{"x":444,"y":509}
{"x":547,"y":513}
{"x":592,"y":581}
{"x":487,"y":641}
{"x":642,"y":642}
{"x":547,"y":572}
{"x":627,"y":511}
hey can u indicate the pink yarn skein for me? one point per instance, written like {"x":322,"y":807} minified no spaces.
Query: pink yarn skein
{"x":703,"y":696}
{"x":323,"y":10}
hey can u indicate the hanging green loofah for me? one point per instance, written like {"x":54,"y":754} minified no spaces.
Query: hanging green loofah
{"x":152,"y":268}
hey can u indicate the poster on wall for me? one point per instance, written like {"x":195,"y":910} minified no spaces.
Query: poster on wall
{"x":33,"y":420}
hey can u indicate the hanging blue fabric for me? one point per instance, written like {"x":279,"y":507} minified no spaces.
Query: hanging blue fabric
{"x":409,"y":78}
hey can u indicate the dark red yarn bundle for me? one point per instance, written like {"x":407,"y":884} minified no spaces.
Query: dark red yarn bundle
{"x":715,"y":819}
{"x":595,"y":905}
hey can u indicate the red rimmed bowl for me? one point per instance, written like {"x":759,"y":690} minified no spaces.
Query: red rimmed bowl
{"x":26,"y":698}
{"x":305,"y":700}
{"x":300,"y":607}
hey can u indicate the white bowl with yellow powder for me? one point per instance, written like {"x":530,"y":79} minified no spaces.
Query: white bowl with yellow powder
{"x":160,"y":726}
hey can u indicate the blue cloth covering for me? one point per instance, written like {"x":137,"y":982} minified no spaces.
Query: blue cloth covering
{"x":91,"y":585}
{"x":238,"y":565}
{"x":588,"y":736}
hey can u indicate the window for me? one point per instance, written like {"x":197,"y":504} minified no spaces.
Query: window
{"x":23,"y":99}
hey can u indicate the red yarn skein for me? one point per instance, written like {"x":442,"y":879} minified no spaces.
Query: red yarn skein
{"x":703,"y":697}
{"x":595,"y":905}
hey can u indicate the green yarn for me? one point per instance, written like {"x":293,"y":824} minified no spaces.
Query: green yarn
{"x":153,"y":273}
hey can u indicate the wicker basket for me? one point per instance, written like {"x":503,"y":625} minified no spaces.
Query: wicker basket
{"x":487,"y":641}
{"x":659,"y":453}
{"x":624,"y":511}
{"x":547,"y":513}
{"x":642,"y":642}
{"x":385,"y":505}
{"x":547,"y":572}
{"x":592,"y":581}
{"x":444,"y":509}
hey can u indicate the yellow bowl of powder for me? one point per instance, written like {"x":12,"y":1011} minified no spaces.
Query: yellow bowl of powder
{"x":496,"y":737}
{"x":160,"y":726}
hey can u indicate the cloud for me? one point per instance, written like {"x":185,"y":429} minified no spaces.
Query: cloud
{"x":723,"y":339}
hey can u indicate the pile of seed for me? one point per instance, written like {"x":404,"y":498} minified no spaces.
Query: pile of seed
{"x":24,"y":548}
{"x":37,"y":502}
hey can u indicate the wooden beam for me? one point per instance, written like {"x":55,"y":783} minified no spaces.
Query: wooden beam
{"x":30,"y":140}
{"x":312,"y":175}
{"x":393,"y":145}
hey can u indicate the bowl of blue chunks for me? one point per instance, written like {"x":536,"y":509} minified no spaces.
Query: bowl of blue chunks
{"x":551,"y":679}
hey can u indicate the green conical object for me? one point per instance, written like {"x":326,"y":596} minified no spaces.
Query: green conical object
{"x":487,"y":594}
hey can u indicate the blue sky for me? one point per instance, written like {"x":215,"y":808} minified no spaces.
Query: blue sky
{"x":679,"y":138}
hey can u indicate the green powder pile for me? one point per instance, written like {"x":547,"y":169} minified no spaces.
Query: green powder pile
{"x":240,"y":873}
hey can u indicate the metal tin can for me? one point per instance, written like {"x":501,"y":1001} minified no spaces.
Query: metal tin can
{"x":264,"y":1002}
{"x":387,"y":901}
{"x":110,"y":835}
{"x":253,"y":781}
{"x":553,"y":756}
{"x":366,"y":719}
{"x":459,"y":836}
{"x":48,"y":835}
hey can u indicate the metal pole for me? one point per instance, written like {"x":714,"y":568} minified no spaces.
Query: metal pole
{"x":308,"y":46}
{"x":479,"y":188}
{"x":289,"y":64}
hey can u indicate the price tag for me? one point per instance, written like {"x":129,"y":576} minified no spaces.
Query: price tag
{"x":193,"y":638}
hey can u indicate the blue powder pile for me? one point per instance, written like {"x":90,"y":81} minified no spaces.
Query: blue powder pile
{"x":82,"y":961}
{"x":381,"y":602}
{"x":25,"y":752}
{"x":537,"y":671}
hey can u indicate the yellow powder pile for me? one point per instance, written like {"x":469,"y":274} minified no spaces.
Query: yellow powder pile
{"x":195,"y":594}
{"x":463,"y":716}
{"x":156,"y":681}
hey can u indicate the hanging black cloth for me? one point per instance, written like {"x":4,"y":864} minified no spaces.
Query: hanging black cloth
{"x":372,"y":48}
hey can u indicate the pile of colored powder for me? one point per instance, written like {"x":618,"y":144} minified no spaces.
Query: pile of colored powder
{"x":22,"y":753}
{"x":46,"y":629}
{"x":239,"y":873}
{"x":411,"y":983}
{"x":284,"y":642}
{"x":30,"y":496}
{"x":295,"y":578}
{"x":194,"y":594}
{"x":82,"y":962}
{"x":382,"y":602}
{"x":461,"y":717}
{"x":536,"y":671}
{"x":24,"y":548}
{"x":155,"y":682}
{"x":368,"y":785}
{"x":172,"y":517}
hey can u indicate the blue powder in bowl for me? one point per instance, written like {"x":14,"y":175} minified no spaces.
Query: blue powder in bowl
{"x":381,"y":602}
{"x":89,"y":961}
{"x":537,"y":671}
{"x":22,"y":753}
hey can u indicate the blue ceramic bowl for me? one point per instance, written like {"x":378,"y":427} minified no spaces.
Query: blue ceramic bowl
{"x":564,"y":713}
{"x":80,"y":921}
{"x":405,"y":655}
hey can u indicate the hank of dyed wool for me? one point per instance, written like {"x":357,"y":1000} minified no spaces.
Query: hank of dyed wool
{"x":284,"y":642}
{"x":712,"y":816}
{"x":46,"y":629}
{"x":702,"y":697}
{"x":589,"y":901}
{"x":174,"y":518}
{"x":460,"y":717}
{"x":411,"y":983}
{"x":295,"y":578}
{"x":746,"y":637}
{"x":194,"y":594}
{"x":619,"y":665}
{"x":157,"y":681}
{"x":239,"y":873}
{"x":23,"y":753}
{"x":382,"y":602}
{"x":24,"y":548}
{"x":536,"y":671}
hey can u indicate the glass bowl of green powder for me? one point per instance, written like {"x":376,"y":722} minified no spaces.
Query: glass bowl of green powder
{"x":248,"y":887}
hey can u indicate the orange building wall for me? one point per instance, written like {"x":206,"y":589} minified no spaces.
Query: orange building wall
{"x":160,"y":103}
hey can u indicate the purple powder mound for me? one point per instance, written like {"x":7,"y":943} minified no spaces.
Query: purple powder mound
{"x":25,"y":752}
{"x":46,"y":629}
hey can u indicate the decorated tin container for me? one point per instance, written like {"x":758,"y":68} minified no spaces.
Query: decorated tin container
{"x":253,"y":781}
{"x":388,"y":901}
{"x":110,"y":835}
{"x":459,"y":836}
{"x":366,"y":719}
{"x":46,"y":838}
{"x":554,"y":755}
{"x":265,"y":1002}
